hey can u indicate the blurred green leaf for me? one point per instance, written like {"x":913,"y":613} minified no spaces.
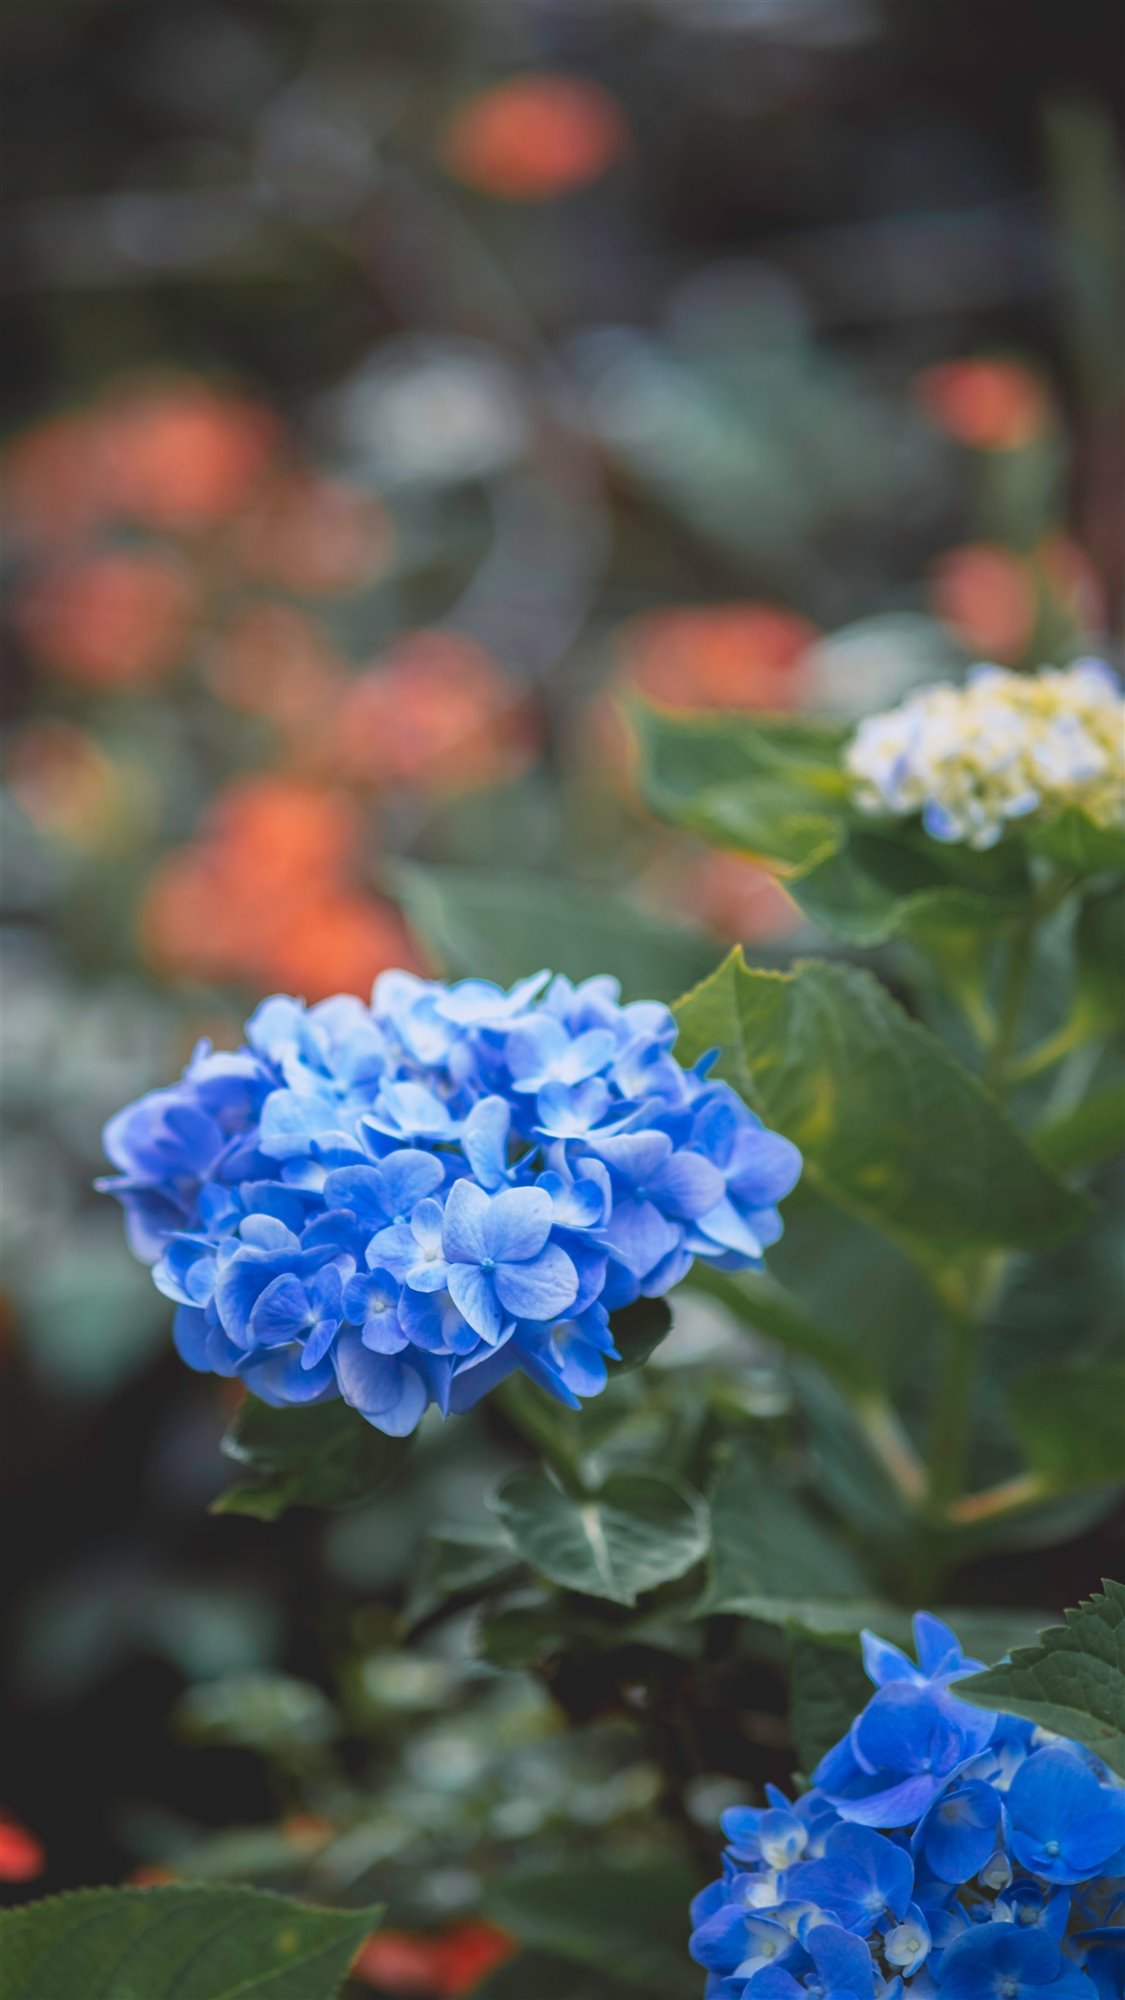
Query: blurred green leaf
{"x":495,"y":926}
{"x":890,"y":1125}
{"x":190,"y":1943}
{"x":768,"y":786}
{"x":1092,"y":1132}
{"x":532,"y":1976}
{"x":273,"y":1713}
{"x":456,"y":1562}
{"x":1071,"y":1423}
{"x":639,"y":1530}
{"x":1076,"y":843}
{"x":877,"y":887}
{"x":639,"y":1329}
{"x":1073,"y":1681}
{"x":632,"y":1921}
{"x":828,"y":1688}
{"x":766,"y":1543}
{"x":315,"y":1455}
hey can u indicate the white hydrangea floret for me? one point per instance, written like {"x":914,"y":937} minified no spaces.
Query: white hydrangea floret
{"x":972,"y":759}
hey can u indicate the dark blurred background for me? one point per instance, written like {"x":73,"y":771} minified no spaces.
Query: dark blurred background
{"x":388,"y":384}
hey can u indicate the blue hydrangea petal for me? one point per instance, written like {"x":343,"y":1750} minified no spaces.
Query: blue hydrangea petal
{"x":540,"y":1288}
{"x":474,"y":1294}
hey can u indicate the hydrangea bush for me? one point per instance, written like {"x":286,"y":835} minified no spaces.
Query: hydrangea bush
{"x":402,"y":1203}
{"x":939,"y":1850}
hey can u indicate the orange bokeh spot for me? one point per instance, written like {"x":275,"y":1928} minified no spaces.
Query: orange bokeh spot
{"x":991,"y":405}
{"x":718,"y":656}
{"x":986,"y":595}
{"x":51,"y":487}
{"x":151,"y":1875}
{"x":119,"y":620}
{"x":535,"y":136}
{"x":180,"y":455}
{"x":437,"y":713}
{"x":442,"y":1967}
{"x":275,"y":662}
{"x":65,"y":783}
{"x":264,"y":896}
{"x":733,"y":896}
{"x":21,"y":1856}
{"x":315,"y":536}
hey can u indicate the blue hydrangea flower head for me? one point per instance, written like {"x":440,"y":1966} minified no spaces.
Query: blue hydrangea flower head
{"x":401,"y":1203}
{"x":940,"y":1853}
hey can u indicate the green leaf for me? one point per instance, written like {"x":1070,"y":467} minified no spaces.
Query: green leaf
{"x":1100,"y":995}
{"x":891,"y":1126}
{"x":314,"y":1455}
{"x":765,"y":1543}
{"x":273,"y":1713}
{"x":638,"y":1531}
{"x":638,"y":1331}
{"x":456,"y":1562}
{"x":1092,"y":1132}
{"x":1073,"y":1681}
{"x":1070,"y":1424}
{"x":1078,"y":844}
{"x":536,"y":1977}
{"x":769,"y":787}
{"x":488,"y":926}
{"x":877,"y":887}
{"x":182,"y":1943}
{"x":631,"y":1921}
{"x":828,"y":1688}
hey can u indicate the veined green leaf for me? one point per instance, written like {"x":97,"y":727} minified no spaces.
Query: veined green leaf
{"x":639,"y":1530}
{"x":1073,"y":1681}
{"x":178,"y":1943}
{"x":891,"y":1126}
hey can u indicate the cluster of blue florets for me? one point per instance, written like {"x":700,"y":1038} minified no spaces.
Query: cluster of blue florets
{"x":403,"y":1202}
{"x":940,"y":1851}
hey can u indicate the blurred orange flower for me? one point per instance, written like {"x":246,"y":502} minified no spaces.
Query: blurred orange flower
{"x":441,"y":1968}
{"x":180,"y":455}
{"x":51,"y":488}
{"x":436,"y":712}
{"x":118,"y":620}
{"x":986,"y":595}
{"x":731,"y":895}
{"x":718,"y":656}
{"x":21,"y":1856}
{"x":536,"y":136}
{"x":274,"y":661}
{"x":315,"y":536}
{"x":263,"y":896}
{"x":65,"y":783}
{"x":990,"y":405}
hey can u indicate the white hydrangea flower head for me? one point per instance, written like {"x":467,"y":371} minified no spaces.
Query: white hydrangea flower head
{"x":972,"y":759}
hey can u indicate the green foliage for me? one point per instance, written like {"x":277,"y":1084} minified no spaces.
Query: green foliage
{"x":771,"y":787}
{"x":637,"y":1531}
{"x":1074,"y":842}
{"x":1073,"y":1681}
{"x":890,"y":1124}
{"x":457,"y":1562}
{"x":639,"y":1329}
{"x":1071,"y":1422}
{"x":496,"y":926}
{"x":828,"y":1687}
{"x":629,"y":1920}
{"x":766,"y":1544}
{"x":179,"y":1943}
{"x":321,"y":1455}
